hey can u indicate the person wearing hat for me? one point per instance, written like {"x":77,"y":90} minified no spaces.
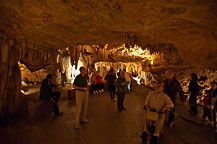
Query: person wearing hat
{"x":159,"y":102}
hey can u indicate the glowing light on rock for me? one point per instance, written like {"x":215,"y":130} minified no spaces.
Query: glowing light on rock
{"x":22,"y":91}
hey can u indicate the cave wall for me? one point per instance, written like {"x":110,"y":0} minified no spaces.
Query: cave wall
{"x":189,"y":25}
{"x":10,"y":80}
{"x":33,"y":56}
{"x":29,"y":77}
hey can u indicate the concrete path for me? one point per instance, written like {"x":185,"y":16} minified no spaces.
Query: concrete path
{"x":106,"y":126}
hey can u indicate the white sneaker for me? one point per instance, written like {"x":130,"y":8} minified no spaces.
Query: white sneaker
{"x":77,"y":125}
{"x":85,"y":121}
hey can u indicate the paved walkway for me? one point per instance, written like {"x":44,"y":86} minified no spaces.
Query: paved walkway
{"x":106,"y":126}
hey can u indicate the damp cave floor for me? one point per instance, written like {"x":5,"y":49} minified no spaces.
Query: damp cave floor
{"x":107,"y":125}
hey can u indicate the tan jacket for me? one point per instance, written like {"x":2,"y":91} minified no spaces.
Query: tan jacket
{"x":158,"y":101}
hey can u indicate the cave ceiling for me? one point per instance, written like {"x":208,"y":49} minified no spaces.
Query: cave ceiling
{"x":190,"y":26}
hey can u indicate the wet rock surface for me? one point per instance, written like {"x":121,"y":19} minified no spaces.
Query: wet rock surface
{"x":106,"y":125}
{"x":189,"y":26}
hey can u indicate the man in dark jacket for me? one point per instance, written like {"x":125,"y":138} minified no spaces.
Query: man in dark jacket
{"x":47,"y":94}
{"x":121,"y":88}
{"x":110,"y":78}
{"x":172,"y":87}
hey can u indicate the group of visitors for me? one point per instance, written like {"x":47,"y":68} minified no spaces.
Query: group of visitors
{"x":119,"y":85}
{"x":164,"y":98}
{"x":209,"y":101}
{"x":159,"y":100}
{"x":116,"y":85}
{"x":97,"y":83}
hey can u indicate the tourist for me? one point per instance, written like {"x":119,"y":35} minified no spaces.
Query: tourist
{"x":99,"y":83}
{"x":172,"y":87}
{"x":92,"y":80}
{"x":110,"y":78}
{"x":119,"y":73}
{"x":194,"y":88}
{"x":47,"y":94}
{"x":127,"y":77}
{"x":211,"y":103}
{"x":63,"y":79}
{"x":156,"y":101}
{"x":121,"y":89}
{"x":82,"y":95}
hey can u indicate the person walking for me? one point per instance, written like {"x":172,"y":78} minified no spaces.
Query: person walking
{"x":127,"y":77}
{"x":172,"y":87}
{"x":121,"y":89}
{"x":46,"y":93}
{"x":82,"y":97}
{"x":194,"y":88}
{"x":110,"y":78}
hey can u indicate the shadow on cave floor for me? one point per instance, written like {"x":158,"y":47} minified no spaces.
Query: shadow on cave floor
{"x":107,"y":125}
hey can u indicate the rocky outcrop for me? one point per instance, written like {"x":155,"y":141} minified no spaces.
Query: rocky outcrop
{"x":36,"y":57}
{"x":11,"y":51}
{"x":187,"y":27}
{"x":181,"y":33}
{"x":10,"y":80}
{"x":29,"y":77}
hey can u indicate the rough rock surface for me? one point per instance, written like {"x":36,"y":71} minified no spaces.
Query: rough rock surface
{"x":188,"y":27}
{"x":10,"y":80}
{"x":34,"y":32}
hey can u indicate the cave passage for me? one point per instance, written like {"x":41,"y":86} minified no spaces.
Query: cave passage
{"x":156,"y":45}
{"x":107,"y":125}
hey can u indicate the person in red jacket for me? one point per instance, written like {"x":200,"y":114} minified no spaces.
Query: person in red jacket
{"x":210,"y":100}
{"x":99,"y":83}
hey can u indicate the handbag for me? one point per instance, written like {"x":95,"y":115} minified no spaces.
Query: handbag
{"x":150,"y":115}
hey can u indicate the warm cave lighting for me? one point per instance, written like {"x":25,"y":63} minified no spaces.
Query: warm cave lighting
{"x":22,"y":91}
{"x":152,"y":62}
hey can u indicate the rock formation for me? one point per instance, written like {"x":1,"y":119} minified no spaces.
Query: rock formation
{"x":181,"y":33}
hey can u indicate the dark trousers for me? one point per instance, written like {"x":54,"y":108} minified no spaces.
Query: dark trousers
{"x":120,"y":101}
{"x":214,"y":115}
{"x":112,"y":91}
{"x":56,"y":97}
{"x":94,"y":86}
{"x":171,"y":116}
{"x":211,"y":113}
{"x":193,"y":101}
{"x":100,"y":86}
{"x":207,"y":112}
